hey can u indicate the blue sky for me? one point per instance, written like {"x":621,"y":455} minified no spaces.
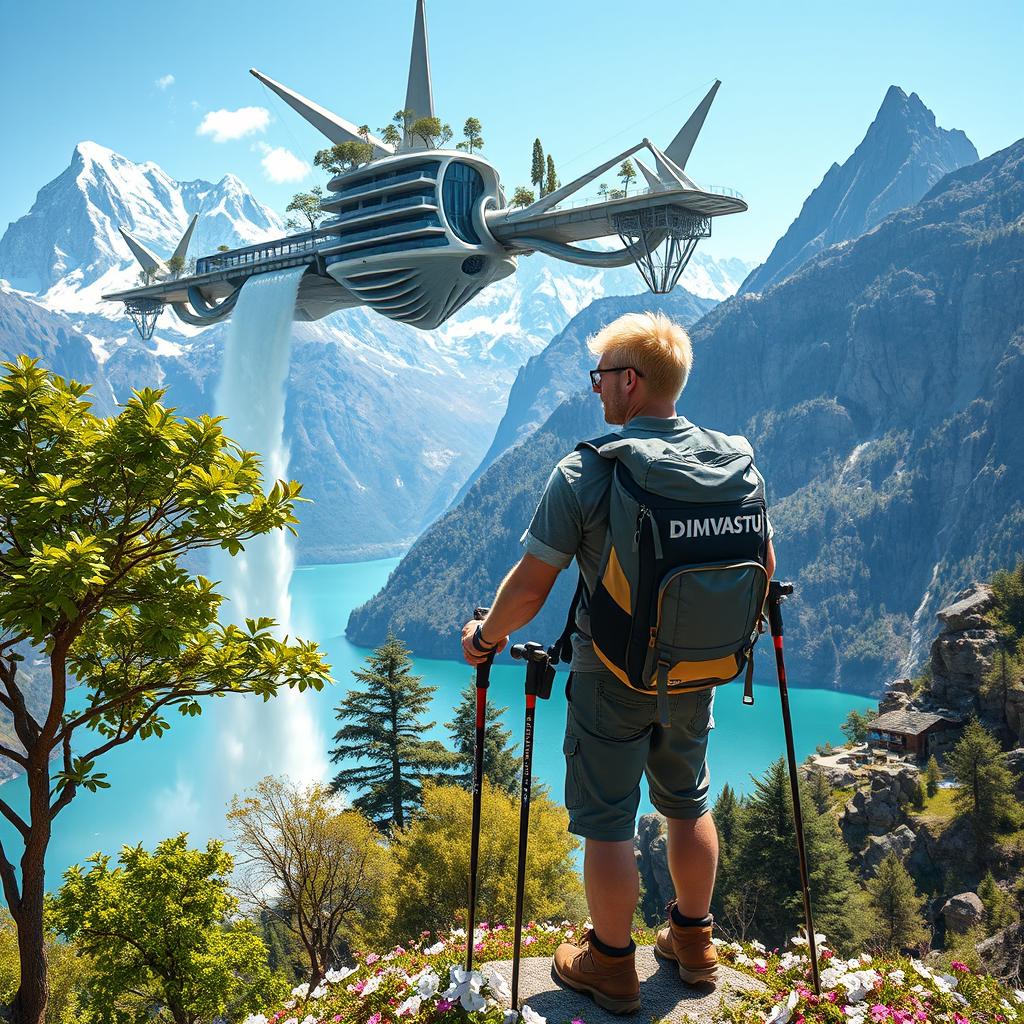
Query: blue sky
{"x":801,"y":83}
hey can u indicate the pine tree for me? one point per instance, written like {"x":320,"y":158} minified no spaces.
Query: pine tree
{"x":820,"y":790}
{"x":1008,"y":588}
{"x":998,"y":912}
{"x":551,"y":182}
{"x":537,"y":167}
{"x":385,"y":729}
{"x":767,"y":857}
{"x":501,"y":766}
{"x":932,"y":776}
{"x":984,"y":782}
{"x":896,"y":908}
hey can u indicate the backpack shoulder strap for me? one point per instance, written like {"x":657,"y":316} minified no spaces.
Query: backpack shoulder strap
{"x":562,"y":650}
{"x":597,"y":443}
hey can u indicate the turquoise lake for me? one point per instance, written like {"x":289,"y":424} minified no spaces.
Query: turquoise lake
{"x":184,"y":781}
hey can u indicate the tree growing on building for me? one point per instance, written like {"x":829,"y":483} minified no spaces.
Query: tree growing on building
{"x":473,"y":132}
{"x":501,"y":766}
{"x":176,"y":264}
{"x":538,"y":167}
{"x":432,"y":131}
{"x":97,"y":516}
{"x":343,"y":157}
{"x":307,"y":205}
{"x":627,"y":175}
{"x":551,"y":179}
{"x":391,"y":135}
{"x":318,"y":869}
{"x":523,"y":196}
{"x":157,"y":929}
{"x":384,"y":732}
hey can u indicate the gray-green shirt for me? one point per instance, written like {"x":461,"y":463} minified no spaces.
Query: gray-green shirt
{"x":571,"y":520}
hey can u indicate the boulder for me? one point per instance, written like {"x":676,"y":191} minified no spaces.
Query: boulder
{"x":963,"y":911}
{"x":900,"y":840}
{"x":894,"y":700}
{"x":968,"y":609}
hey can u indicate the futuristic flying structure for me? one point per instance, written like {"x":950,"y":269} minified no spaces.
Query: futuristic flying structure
{"x":415,"y":232}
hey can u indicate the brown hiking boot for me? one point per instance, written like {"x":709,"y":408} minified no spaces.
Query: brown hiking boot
{"x":611,"y":981}
{"x":691,"y":948}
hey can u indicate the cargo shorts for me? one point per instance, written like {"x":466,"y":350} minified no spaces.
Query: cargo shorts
{"x":613,"y":737}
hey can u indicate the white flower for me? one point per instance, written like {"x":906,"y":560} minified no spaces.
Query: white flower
{"x":858,"y":984}
{"x":960,"y":999}
{"x":830,"y":977}
{"x":718,"y":942}
{"x":332,"y":977}
{"x":760,"y":962}
{"x":372,"y":984}
{"x":427,"y":983}
{"x":531,"y":1016}
{"x":319,"y":992}
{"x":290,"y":1004}
{"x":781,"y":1013}
{"x":897,"y":976}
{"x":301,"y":990}
{"x":437,"y":947}
{"x":945,"y":982}
{"x":255,"y":1018}
{"x":758,"y":946}
{"x":1018,"y":994}
{"x":411,"y":1005}
{"x":743,"y":960}
{"x":458,"y":933}
{"x":735,"y":947}
{"x":465,"y":987}
{"x":497,"y":984}
{"x":921,"y":969}
{"x":801,"y":940}
{"x":292,"y":1020}
{"x":309,"y":1019}
{"x":865,"y":958}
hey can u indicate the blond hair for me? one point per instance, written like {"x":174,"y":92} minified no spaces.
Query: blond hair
{"x":651,"y":343}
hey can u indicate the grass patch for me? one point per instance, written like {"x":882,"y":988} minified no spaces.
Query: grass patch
{"x":938,"y":809}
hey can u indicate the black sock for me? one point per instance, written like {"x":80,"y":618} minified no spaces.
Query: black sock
{"x":611,"y":950}
{"x":690,"y":922}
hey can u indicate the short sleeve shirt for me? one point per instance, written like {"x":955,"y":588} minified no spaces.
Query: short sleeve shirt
{"x":571,"y":520}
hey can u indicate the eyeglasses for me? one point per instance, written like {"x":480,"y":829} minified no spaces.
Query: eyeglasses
{"x":595,"y":375}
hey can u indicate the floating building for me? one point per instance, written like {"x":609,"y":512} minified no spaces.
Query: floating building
{"x":416,"y":231}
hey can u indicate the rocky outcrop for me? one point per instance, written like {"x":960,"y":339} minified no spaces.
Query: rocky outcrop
{"x":880,"y":808}
{"x":651,"y":849}
{"x":900,"y":840}
{"x":963,"y":911}
{"x":898,"y":696}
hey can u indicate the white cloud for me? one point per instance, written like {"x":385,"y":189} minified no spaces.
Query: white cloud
{"x":281,"y":165}
{"x":227,"y":125}
{"x":164,"y":81}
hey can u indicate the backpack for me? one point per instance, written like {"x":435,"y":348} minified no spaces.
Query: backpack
{"x":682,"y":583}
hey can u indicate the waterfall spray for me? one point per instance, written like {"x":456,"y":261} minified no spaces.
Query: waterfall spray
{"x":280,"y":737}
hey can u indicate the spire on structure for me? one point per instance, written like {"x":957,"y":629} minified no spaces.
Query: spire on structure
{"x":151,"y":264}
{"x":419,"y":96}
{"x":182,"y":247}
{"x":678,"y":150}
{"x":336,"y":128}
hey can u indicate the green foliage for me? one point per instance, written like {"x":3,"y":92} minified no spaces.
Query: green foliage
{"x":551,"y":178}
{"x":919,"y":798}
{"x":766,"y":869}
{"x":473,"y":132}
{"x":430,"y":129}
{"x":523,"y":196}
{"x":385,"y":730}
{"x":343,"y":156}
{"x":501,"y":766}
{"x":856,"y":725}
{"x":984,"y":782}
{"x":820,"y":790}
{"x":318,"y":869}
{"x":538,"y":167}
{"x":932,"y":776}
{"x":155,"y":929}
{"x":433,"y":862}
{"x":897,"y":909}
{"x":391,"y":135}
{"x":176,"y":264}
{"x":998,"y":905}
{"x":627,"y":175}
{"x":1008,"y":589}
{"x":307,"y":204}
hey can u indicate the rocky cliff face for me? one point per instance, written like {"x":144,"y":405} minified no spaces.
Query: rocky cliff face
{"x":903,"y":154}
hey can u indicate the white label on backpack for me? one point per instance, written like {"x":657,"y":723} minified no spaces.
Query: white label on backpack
{"x":715,"y":527}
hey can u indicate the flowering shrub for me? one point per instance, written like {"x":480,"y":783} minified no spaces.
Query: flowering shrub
{"x":424,"y":982}
{"x":864,"y":990}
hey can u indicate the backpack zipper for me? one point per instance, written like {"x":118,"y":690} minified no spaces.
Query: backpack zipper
{"x":645,"y":513}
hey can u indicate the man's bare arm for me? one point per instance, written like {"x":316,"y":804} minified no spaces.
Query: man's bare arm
{"x":520,"y":596}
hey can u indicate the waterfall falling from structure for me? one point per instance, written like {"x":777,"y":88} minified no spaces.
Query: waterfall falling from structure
{"x":279,"y":737}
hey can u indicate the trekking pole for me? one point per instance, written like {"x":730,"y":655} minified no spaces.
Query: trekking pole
{"x":540,"y":673}
{"x":777,"y":593}
{"x":483,"y":679}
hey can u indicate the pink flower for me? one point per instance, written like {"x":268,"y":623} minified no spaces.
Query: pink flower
{"x":577,"y":1020}
{"x":398,"y":950}
{"x":879,"y":1013}
{"x":799,"y":1019}
{"x":960,"y":1020}
{"x":831,"y":996}
{"x":479,"y":947}
{"x":920,"y":1015}
{"x":760,"y":969}
{"x":957,"y":966}
{"x":375,"y":1019}
{"x":443,"y":1006}
{"x":529,"y":940}
{"x":371,"y":958}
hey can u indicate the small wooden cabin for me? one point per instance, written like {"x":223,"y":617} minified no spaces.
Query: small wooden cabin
{"x":907,"y":732}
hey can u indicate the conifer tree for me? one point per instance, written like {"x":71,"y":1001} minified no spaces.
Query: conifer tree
{"x":385,"y":729}
{"x":984,"y":782}
{"x":998,"y":911}
{"x":932,"y":776}
{"x":537,"y":167}
{"x":897,"y":921}
{"x":820,"y":790}
{"x":501,"y":766}
{"x":551,"y":182}
{"x":767,"y":855}
{"x":1008,"y":588}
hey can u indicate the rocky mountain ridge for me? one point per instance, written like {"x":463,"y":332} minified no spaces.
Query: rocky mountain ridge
{"x":902,"y":155}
